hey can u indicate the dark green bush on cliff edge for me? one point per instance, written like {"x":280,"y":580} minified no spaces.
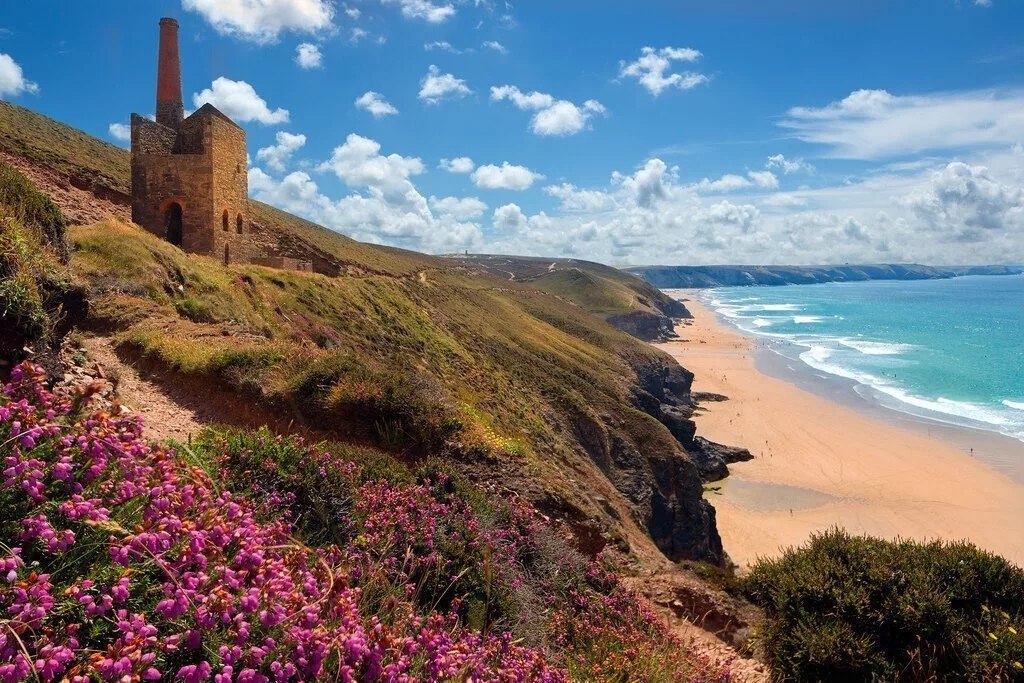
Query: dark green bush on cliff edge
{"x":846,"y":608}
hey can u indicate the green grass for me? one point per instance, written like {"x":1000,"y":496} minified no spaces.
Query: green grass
{"x":847,"y":608}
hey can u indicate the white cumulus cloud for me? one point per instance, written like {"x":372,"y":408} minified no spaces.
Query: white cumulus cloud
{"x":730,"y":182}
{"x":121,"y":132}
{"x":12,"y":78}
{"x":505,"y":177}
{"x":308,"y":56}
{"x":459,"y":208}
{"x":264,"y":20}
{"x":425,"y":10}
{"x":437,"y":86}
{"x":495,"y":46}
{"x":276,"y":156}
{"x":788,"y":166}
{"x":575,"y":199}
{"x":553,"y":117}
{"x":376,"y":104}
{"x":358,"y":162}
{"x":652,"y":69}
{"x":967,"y":202}
{"x":457,"y":165}
{"x":239,"y":101}
{"x":384,"y":206}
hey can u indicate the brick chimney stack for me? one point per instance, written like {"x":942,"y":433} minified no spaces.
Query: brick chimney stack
{"x":169,"y":109}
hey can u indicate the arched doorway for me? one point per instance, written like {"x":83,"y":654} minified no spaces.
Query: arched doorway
{"x":172,"y":223}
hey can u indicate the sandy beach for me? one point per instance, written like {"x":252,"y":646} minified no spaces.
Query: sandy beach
{"x":819,"y":463}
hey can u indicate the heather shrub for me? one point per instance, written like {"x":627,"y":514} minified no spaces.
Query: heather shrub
{"x":848,"y":608}
{"x":255,"y":557}
{"x":607,"y":635}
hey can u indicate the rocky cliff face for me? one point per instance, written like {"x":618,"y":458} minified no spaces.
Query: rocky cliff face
{"x":659,"y":479}
{"x":644,"y":325}
{"x":659,"y":476}
{"x":667,"y":483}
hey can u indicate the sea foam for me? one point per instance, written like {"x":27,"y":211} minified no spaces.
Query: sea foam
{"x":874,"y":348}
{"x":884,"y":337}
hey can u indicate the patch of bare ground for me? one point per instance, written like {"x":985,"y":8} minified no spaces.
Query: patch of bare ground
{"x":707,"y":621}
{"x":164,"y":417}
{"x":79,"y":203}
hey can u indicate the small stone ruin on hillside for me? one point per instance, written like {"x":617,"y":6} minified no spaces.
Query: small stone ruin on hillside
{"x":190,"y":177}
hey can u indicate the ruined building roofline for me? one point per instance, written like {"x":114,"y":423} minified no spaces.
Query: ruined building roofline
{"x":205,"y":111}
{"x":208,"y":110}
{"x":145,"y":120}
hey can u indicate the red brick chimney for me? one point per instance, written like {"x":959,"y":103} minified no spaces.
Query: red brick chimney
{"x":169,"y":109}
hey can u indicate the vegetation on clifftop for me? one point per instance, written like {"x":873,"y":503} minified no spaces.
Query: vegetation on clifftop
{"x":847,"y":608}
{"x":624,"y":300}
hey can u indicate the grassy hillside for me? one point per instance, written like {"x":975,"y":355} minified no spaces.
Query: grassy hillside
{"x":84,"y":161}
{"x":623,"y":299}
{"x":406,"y":353}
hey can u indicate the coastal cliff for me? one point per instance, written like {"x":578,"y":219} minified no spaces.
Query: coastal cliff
{"x":515,"y":372}
{"x":692,"y":277}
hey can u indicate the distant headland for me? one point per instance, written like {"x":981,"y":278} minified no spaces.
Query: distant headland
{"x":687,"y":277}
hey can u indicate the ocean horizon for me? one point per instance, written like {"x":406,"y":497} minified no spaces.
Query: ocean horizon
{"x":946,"y":351}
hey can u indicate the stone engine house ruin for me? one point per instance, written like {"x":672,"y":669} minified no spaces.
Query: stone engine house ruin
{"x":190,"y":175}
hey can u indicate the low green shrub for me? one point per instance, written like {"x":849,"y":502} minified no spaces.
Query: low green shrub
{"x":33,"y":277}
{"x":849,"y":608}
{"x":23,"y":202}
{"x":400,"y":409}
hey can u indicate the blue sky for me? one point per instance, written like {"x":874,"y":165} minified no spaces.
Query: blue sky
{"x":644,"y":132}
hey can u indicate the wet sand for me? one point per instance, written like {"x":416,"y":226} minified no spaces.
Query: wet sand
{"x":819,"y":463}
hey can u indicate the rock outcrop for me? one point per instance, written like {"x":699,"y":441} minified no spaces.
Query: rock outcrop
{"x":644,"y":325}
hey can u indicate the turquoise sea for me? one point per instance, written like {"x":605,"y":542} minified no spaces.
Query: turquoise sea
{"x":945,"y":350}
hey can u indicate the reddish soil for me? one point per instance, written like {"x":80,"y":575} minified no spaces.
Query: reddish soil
{"x":79,"y":204}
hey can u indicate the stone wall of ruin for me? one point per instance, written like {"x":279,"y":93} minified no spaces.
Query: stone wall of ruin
{"x":160,"y":177}
{"x":225,"y":142}
{"x":203,"y":169}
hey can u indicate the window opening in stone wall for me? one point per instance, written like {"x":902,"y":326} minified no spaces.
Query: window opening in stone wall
{"x":238,"y":224}
{"x":227,"y":254}
{"x":224,"y":220}
{"x":172,"y":223}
